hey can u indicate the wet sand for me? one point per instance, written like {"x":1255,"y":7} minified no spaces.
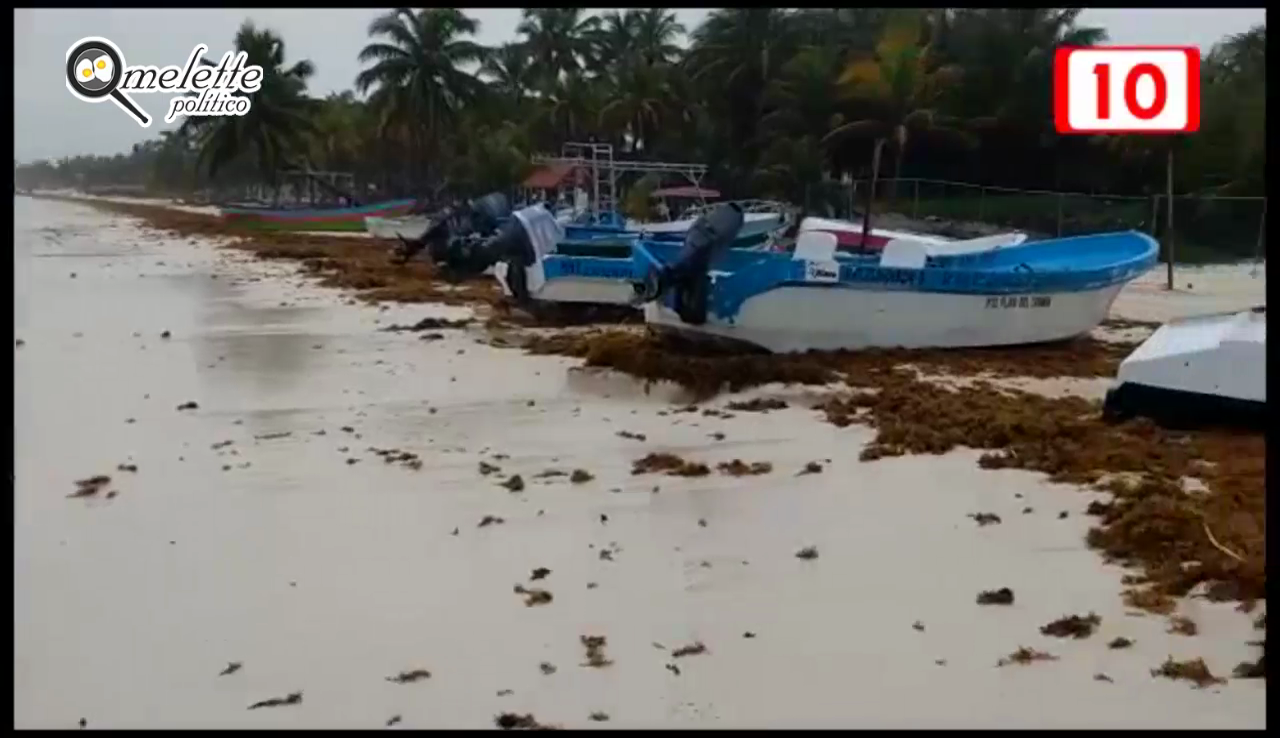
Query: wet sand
{"x":326,"y":577}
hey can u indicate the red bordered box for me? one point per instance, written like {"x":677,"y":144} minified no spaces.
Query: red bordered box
{"x":1126,"y":89}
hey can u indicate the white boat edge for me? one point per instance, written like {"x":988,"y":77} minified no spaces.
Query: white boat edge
{"x":410,"y":226}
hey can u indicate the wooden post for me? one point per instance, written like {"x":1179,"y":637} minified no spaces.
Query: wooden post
{"x":871,"y":191}
{"x":1262,"y":235}
{"x":1168,"y":193}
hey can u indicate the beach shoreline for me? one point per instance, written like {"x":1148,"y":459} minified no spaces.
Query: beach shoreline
{"x":301,"y":553}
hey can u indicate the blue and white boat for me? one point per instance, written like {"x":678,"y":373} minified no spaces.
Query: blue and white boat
{"x":984,"y":292}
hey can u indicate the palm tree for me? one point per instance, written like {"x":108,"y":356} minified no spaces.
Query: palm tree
{"x":901,"y":84}
{"x":415,"y":74}
{"x":275,"y":129}
{"x":510,"y":73}
{"x":802,"y":103}
{"x":1007,"y":57}
{"x":655,"y":32}
{"x":571,"y":108}
{"x":560,"y":41}
{"x":734,"y":54}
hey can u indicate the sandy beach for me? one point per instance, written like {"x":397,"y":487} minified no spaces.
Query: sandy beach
{"x":264,"y":528}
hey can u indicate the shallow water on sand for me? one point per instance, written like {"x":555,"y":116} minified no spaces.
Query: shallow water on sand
{"x":326,"y":577}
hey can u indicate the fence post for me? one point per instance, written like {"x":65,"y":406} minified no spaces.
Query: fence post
{"x":1262,"y":235}
{"x":915,"y":199}
{"x":1168,"y":186}
{"x":1060,"y":198}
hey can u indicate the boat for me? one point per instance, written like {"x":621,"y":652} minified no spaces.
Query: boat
{"x":1208,"y":370}
{"x":849,"y":235}
{"x":911,"y":295}
{"x":761,"y":219}
{"x":594,"y":266}
{"x":407,"y":226}
{"x":321,"y":219}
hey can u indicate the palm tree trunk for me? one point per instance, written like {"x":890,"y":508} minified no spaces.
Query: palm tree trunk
{"x":897,"y":173}
{"x":871,"y":191}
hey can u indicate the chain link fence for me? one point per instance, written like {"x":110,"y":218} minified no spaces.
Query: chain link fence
{"x":1206,"y":228}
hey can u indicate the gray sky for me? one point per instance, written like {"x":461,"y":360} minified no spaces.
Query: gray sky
{"x":50,"y":123}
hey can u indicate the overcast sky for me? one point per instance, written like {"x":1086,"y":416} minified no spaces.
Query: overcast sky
{"x":50,"y":123}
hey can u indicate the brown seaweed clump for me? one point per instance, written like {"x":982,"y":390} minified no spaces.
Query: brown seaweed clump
{"x":651,"y":359}
{"x":595,"y":651}
{"x":369,"y":267}
{"x":693,"y":649}
{"x":1002,"y":596}
{"x":1177,"y":537}
{"x":1194,"y":670}
{"x":91,"y":486}
{"x":1024,"y":656}
{"x":1253,"y":669}
{"x":758,"y":405}
{"x":534,"y":596}
{"x":409,"y":677}
{"x":293,"y":698}
{"x":740,"y":468}
{"x":669,"y":464}
{"x":514,"y":721}
{"x":707,"y":370}
{"x":1072,"y":626}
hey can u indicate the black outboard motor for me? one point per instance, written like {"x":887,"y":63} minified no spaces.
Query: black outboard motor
{"x":512,"y":245}
{"x":488,"y":211}
{"x":688,"y":275}
{"x":452,"y":239}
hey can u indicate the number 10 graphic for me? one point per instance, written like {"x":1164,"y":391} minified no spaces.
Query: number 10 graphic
{"x":1126,"y":89}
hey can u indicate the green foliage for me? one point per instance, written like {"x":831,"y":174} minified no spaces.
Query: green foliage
{"x":776,"y":101}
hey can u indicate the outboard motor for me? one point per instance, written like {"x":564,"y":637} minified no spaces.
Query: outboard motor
{"x":453,"y":237}
{"x":688,"y":274}
{"x":488,"y":211}
{"x":512,"y":245}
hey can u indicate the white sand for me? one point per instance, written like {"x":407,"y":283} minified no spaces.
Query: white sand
{"x":326,"y":577}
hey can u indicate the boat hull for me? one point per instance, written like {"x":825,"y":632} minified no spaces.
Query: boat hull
{"x":906,"y":297}
{"x":331,"y":219}
{"x":409,"y":227}
{"x":792,"y":319}
{"x":1200,"y":371}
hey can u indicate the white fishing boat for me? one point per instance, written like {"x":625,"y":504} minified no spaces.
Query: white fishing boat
{"x":913,"y":294}
{"x":1204,"y":370}
{"x":409,"y":227}
{"x":761,"y":218}
{"x":849,"y":235}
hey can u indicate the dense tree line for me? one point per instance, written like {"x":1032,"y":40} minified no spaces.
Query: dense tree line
{"x":777,"y":102}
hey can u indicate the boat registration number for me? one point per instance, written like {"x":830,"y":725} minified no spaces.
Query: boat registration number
{"x":1011,"y":302}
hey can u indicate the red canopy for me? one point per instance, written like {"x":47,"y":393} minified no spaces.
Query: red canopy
{"x":548,"y":176}
{"x":689,"y":191}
